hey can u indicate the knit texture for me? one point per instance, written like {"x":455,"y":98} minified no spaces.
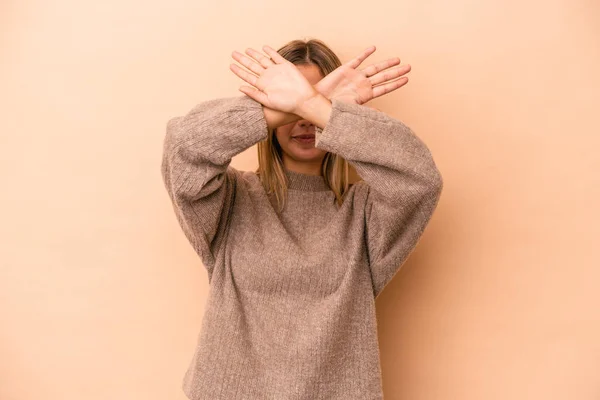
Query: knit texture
{"x":291,"y":307}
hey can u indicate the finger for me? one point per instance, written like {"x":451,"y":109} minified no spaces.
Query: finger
{"x":356,"y":61}
{"x":375,"y":68}
{"x":248,"y":63}
{"x":389,"y":75}
{"x":261,"y":58}
{"x":255,"y":94}
{"x":275,"y":56}
{"x":245,"y":75}
{"x":389,"y":87}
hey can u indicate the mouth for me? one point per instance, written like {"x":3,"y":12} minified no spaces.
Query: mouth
{"x":304,"y":138}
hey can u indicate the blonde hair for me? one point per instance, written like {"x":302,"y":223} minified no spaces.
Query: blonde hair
{"x":334,"y":168}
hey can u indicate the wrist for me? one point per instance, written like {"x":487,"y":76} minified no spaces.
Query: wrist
{"x":277,"y":118}
{"x":316,"y":109}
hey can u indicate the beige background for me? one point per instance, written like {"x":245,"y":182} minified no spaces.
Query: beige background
{"x":101,"y":297}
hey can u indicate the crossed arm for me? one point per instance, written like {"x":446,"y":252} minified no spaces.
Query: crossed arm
{"x":317,"y":111}
{"x":271,"y":80}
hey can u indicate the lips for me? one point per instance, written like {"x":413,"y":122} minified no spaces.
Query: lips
{"x":304,"y":137}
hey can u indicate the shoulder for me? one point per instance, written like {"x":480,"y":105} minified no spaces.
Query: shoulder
{"x":250,"y":180}
{"x":360,"y":188}
{"x":357,"y":194}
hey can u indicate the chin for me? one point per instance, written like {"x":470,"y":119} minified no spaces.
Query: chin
{"x":307,"y":155}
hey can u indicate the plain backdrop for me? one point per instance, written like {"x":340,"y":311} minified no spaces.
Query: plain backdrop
{"x":101,"y":296}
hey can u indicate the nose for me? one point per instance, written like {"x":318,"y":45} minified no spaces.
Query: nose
{"x":303,"y":123}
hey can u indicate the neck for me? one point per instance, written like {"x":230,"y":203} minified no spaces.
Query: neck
{"x":305,"y":167}
{"x":305,"y":182}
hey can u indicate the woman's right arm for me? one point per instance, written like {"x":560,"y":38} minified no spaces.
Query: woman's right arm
{"x":197,"y":150}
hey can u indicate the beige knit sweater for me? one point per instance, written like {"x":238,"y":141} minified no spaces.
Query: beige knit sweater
{"x":291,"y":307}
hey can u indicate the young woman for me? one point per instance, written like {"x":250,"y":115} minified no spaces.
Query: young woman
{"x":295,"y":254}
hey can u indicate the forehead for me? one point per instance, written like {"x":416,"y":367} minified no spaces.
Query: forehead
{"x":311,"y":73}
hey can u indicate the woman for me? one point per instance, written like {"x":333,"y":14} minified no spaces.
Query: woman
{"x":295,"y":254}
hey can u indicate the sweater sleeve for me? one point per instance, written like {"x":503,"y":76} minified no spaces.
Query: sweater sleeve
{"x":403,"y":182}
{"x":197,"y":150}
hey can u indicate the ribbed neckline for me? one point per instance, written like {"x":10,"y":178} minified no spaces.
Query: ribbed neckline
{"x":307,"y":183}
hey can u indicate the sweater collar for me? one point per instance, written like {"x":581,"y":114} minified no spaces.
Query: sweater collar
{"x":304,"y":182}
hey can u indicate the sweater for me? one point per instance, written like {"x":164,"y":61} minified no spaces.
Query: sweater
{"x":290,"y":312}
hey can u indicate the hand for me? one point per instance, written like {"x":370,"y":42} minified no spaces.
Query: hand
{"x":333,"y":84}
{"x":278,"y":84}
{"x":348,"y":84}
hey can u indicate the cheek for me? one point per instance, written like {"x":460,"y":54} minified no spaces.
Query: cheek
{"x":283,"y":133}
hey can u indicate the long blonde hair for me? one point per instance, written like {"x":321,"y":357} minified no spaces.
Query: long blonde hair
{"x":334,"y":168}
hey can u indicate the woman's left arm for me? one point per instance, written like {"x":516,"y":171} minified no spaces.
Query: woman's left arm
{"x":403,"y":182}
